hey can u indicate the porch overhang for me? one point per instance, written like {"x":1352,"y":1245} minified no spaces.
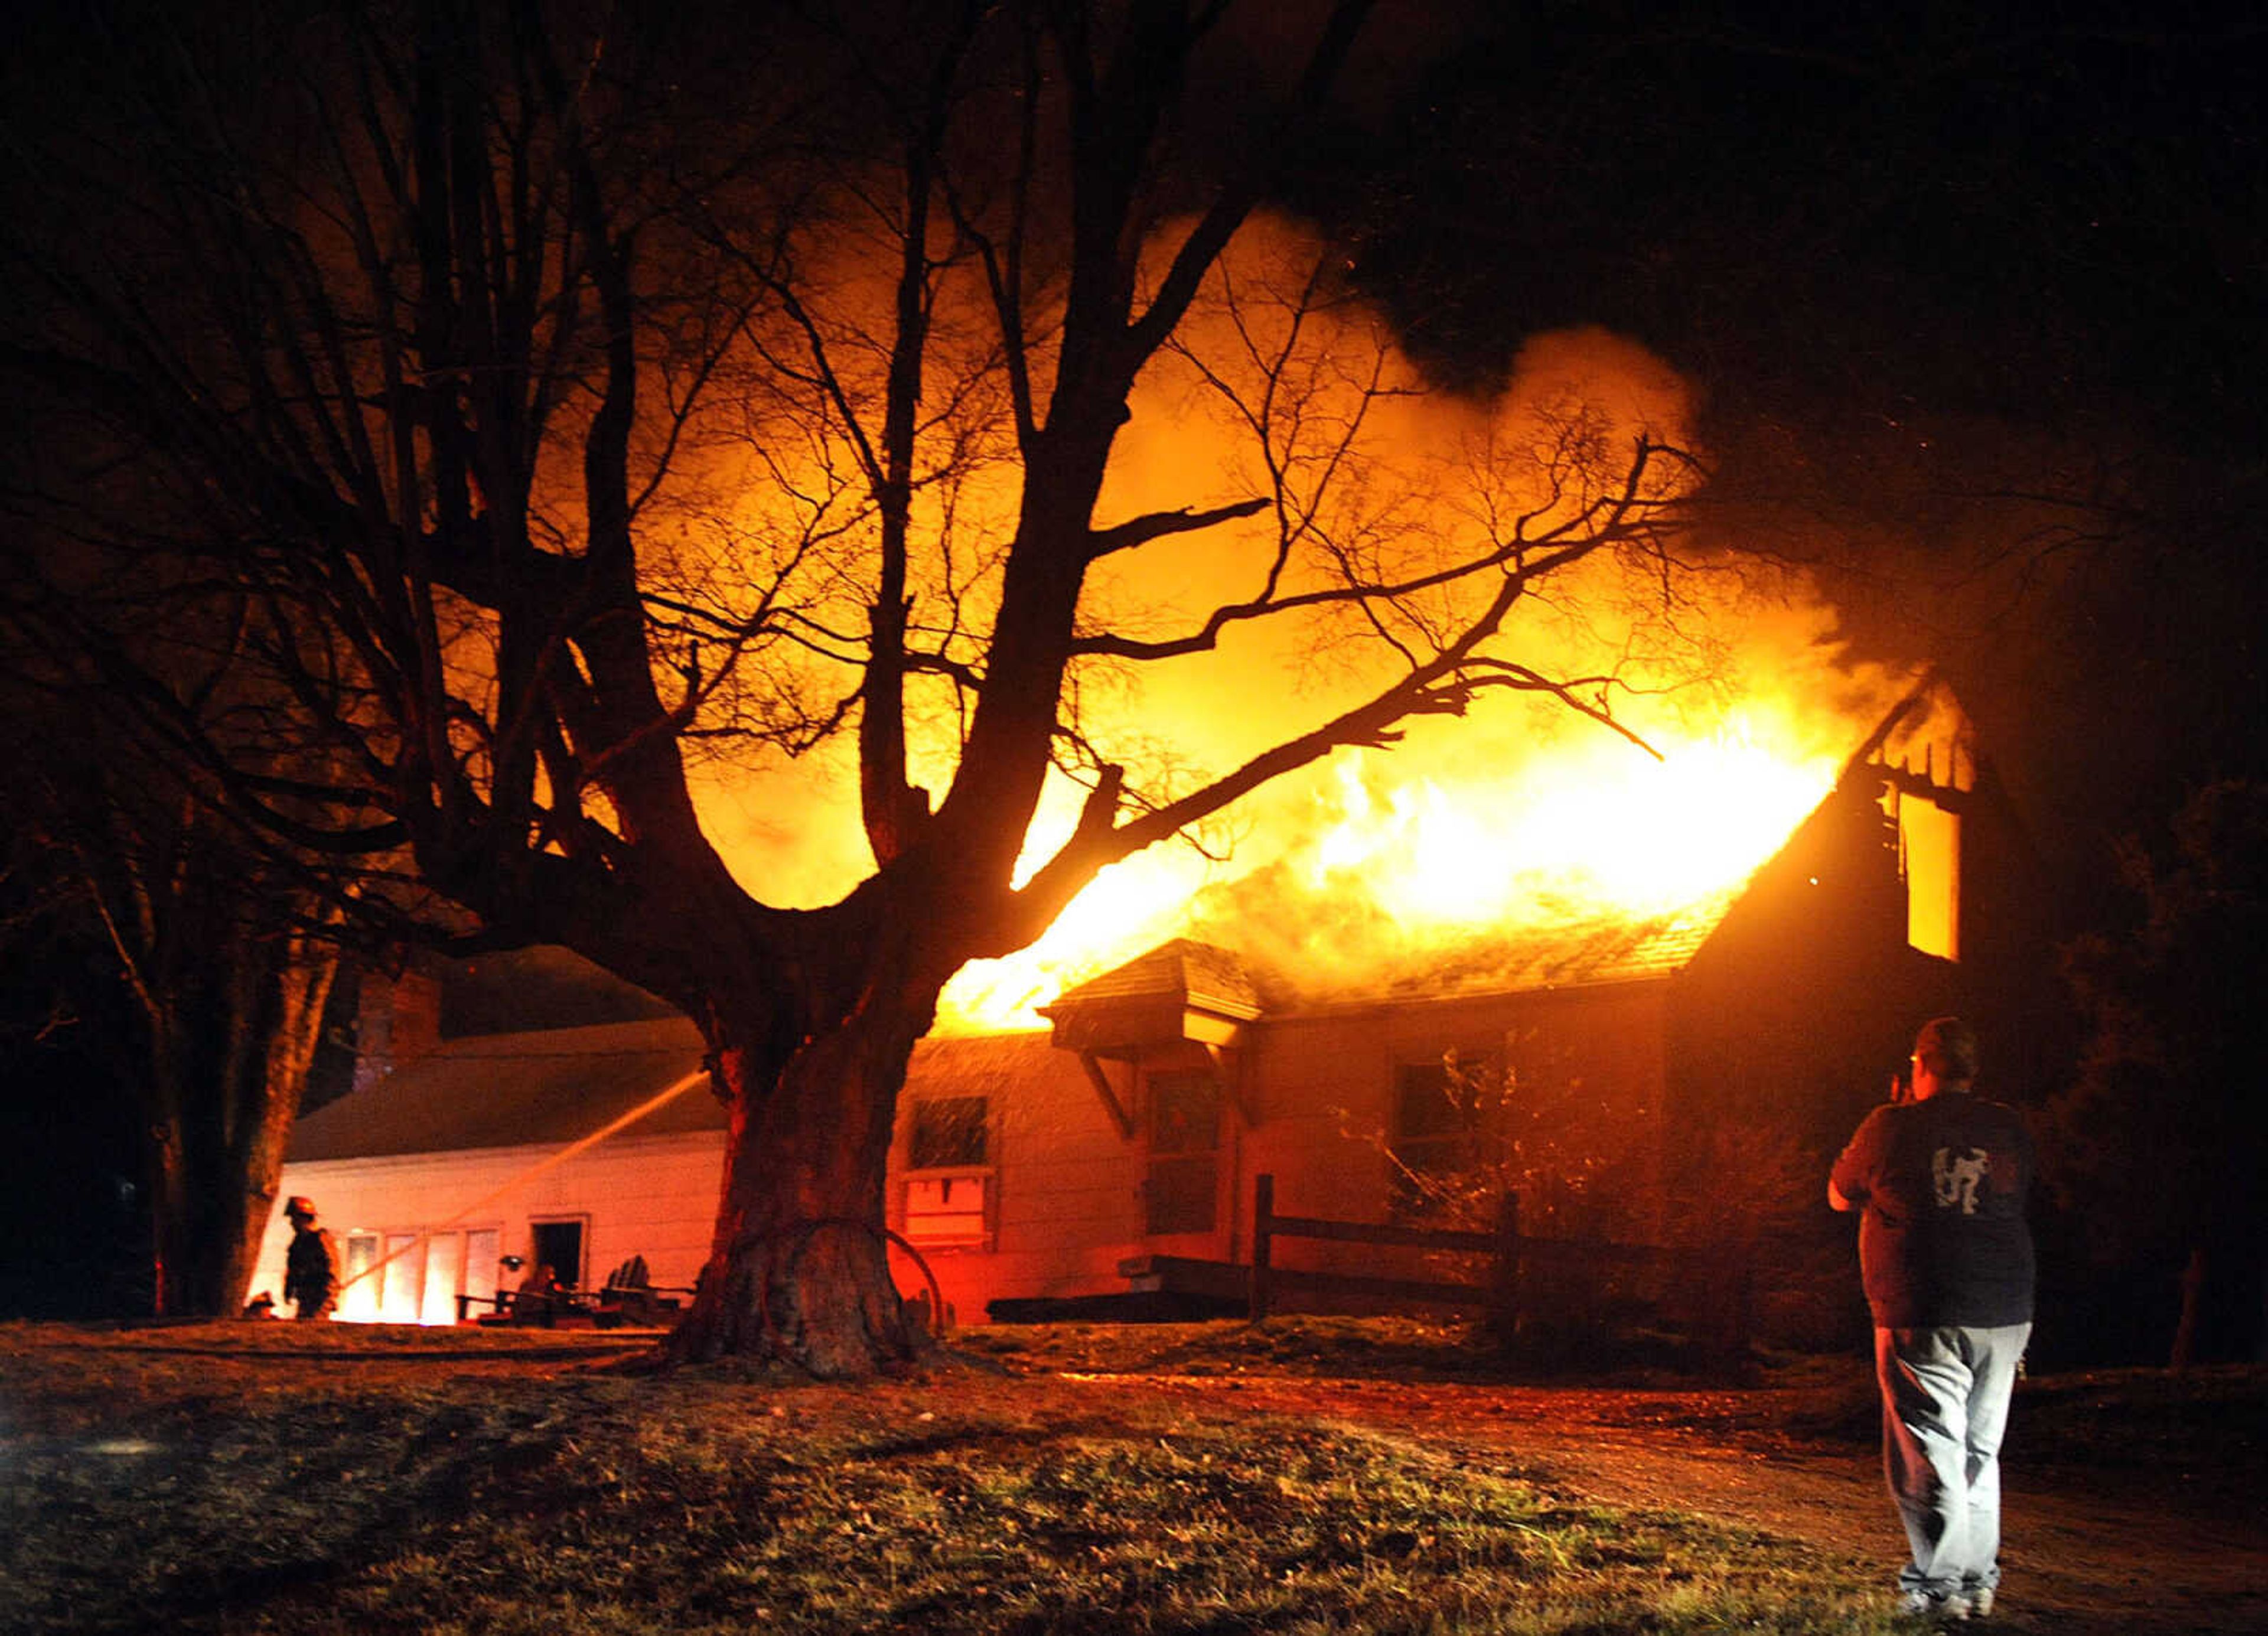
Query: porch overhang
{"x":1178,"y":996}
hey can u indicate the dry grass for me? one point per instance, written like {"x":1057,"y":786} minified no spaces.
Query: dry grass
{"x":264,"y":1479}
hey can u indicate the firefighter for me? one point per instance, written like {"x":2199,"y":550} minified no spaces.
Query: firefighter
{"x":311,"y":1268}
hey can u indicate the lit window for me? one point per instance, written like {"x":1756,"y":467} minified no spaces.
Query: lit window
{"x":1929,"y":850}
{"x":405,"y":1276}
{"x":402,"y":1284}
{"x":358,"y":1297}
{"x":444,"y":1274}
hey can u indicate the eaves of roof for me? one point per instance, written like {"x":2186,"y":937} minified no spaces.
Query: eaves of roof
{"x":510,"y":1090}
{"x":556,"y":1086}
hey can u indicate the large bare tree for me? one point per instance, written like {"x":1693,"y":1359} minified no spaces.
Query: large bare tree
{"x":576,"y":396}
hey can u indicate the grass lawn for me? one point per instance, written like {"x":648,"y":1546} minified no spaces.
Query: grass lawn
{"x":237,"y":1478}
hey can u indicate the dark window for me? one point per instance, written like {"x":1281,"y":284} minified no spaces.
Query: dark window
{"x":948,"y":1133}
{"x":1433,"y":1121}
{"x":1184,"y":1113}
{"x":1436,"y":1135}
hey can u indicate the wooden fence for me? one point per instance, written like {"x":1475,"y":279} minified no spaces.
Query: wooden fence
{"x":1716,"y":1298}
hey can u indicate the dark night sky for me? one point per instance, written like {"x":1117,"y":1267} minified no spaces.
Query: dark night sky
{"x":1914,"y":257}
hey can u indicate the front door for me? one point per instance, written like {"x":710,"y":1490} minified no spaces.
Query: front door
{"x":1182,"y":1190}
{"x":559,"y":1246}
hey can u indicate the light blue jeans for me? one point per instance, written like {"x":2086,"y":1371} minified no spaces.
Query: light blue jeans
{"x":1945,"y":1406}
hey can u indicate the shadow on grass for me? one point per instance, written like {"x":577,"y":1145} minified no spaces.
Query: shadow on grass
{"x":214,"y":1510}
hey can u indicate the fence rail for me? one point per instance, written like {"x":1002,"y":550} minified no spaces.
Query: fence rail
{"x":1723,"y":1314}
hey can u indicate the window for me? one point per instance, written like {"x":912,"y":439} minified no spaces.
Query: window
{"x":1432,"y":1125}
{"x":401,"y":1280}
{"x":407,"y":1276}
{"x":1182,"y":1191}
{"x":359,"y":1291}
{"x":444,"y":1256}
{"x":948,"y":1196}
{"x":1929,"y":852}
{"x":1435,"y":1135}
{"x":948,"y":1133}
{"x":483,"y":1247}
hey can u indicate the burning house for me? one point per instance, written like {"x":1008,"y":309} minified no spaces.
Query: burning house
{"x":1670,"y":1077}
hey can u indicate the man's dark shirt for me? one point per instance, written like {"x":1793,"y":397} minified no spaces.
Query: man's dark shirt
{"x":1943,"y":1240}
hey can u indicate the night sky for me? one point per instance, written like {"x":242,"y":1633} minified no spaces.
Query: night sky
{"x":1925,"y":263}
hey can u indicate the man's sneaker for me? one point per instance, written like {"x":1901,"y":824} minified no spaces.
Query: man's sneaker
{"x":1946,"y":1610}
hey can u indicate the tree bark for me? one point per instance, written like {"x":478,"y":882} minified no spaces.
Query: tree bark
{"x":798,"y":1267}
{"x":174,"y":1242}
{"x":218,"y":1147}
{"x":264,"y":1115}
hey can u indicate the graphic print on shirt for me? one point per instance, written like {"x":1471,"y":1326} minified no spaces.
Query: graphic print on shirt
{"x":1957,"y":1176}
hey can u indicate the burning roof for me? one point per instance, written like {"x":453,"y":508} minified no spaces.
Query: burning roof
{"x":1186,"y":973}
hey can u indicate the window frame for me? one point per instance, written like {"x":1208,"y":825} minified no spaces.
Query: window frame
{"x":986,"y":1173}
{"x":1457,"y":1145}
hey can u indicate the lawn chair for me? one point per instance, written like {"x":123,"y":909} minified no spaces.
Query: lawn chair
{"x":628,"y":1297}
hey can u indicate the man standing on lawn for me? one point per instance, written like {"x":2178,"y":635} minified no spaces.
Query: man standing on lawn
{"x":1947,"y":1257}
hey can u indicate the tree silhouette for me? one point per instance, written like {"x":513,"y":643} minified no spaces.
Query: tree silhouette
{"x":185,"y":965}
{"x":2159,"y":1144}
{"x":562,"y":399}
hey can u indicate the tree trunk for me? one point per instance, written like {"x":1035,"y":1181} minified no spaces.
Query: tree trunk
{"x":216,"y":1164}
{"x":2183,"y":1353}
{"x":798,"y":1269}
{"x":172,"y":1248}
{"x":262,"y":1115}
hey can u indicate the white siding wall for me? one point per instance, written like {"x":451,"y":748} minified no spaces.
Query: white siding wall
{"x":1069,"y":1208}
{"x":1068,"y":1183}
{"x":654,"y":1197}
{"x":1067,"y":1186}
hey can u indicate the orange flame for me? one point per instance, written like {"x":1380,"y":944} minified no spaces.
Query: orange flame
{"x":1597,"y":830}
{"x":1521,"y":814}
{"x":1465,"y":829}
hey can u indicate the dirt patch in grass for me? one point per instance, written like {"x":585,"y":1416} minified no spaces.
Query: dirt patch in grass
{"x":1300,"y":1476}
